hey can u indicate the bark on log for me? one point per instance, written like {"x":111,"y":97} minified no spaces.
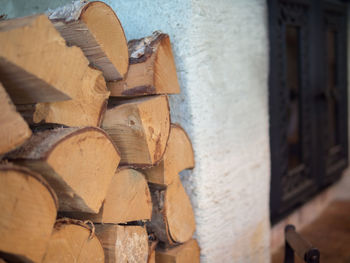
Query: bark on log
{"x":140,"y":129}
{"x":95,"y":28}
{"x":79,"y":164}
{"x":73,"y":241}
{"x":188,"y":252}
{"x":123,"y":244}
{"x":152,"y":244}
{"x":14,"y":130}
{"x":128,"y":199}
{"x":152,"y":68}
{"x":178,"y":156}
{"x":41,"y":68}
{"x":172,"y":215}
{"x":28,"y":213}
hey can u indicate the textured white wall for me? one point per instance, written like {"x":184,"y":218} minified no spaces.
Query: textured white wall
{"x":221,"y":50}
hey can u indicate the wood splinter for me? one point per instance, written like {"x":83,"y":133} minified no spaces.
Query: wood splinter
{"x":152,"y":68}
{"x":95,"y":28}
{"x":78,"y":163}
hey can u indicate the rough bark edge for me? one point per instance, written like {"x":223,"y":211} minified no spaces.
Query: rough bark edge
{"x":39,"y":138}
{"x":68,"y":12}
{"x":38,"y":177}
{"x":141,"y":49}
{"x":69,"y":221}
{"x":158,"y":224}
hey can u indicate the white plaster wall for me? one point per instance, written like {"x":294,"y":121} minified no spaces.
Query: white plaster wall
{"x":221,"y":50}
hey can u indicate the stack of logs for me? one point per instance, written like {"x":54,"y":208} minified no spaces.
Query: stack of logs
{"x":90,"y":160}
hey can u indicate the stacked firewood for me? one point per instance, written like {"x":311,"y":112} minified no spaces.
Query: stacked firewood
{"x":90,"y":160}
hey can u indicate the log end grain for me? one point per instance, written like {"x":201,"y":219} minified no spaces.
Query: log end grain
{"x":28,"y":212}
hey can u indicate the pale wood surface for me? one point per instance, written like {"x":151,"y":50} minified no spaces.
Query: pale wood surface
{"x":73,"y":242}
{"x":86,"y":108}
{"x":140,"y":129}
{"x":32,"y":56}
{"x":79,"y":164}
{"x":178,"y":156}
{"x":152,"y":68}
{"x":128,"y":199}
{"x":172,"y":215}
{"x":188,"y":252}
{"x":28,"y":213}
{"x":14,"y":130}
{"x":45,"y":56}
{"x":123,"y":244}
{"x":99,"y":33}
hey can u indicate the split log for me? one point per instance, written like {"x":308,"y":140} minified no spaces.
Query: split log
{"x":73,"y":241}
{"x":178,"y":156}
{"x":123,"y":244}
{"x":29,"y":76}
{"x":95,"y":28}
{"x":151,"y":68}
{"x":128,"y":199}
{"x":28,"y":213}
{"x":78,"y":163}
{"x":35,"y":63}
{"x":172,"y":215}
{"x":140,"y":129}
{"x":188,"y":252}
{"x":85,"y":109}
{"x":14,"y":130}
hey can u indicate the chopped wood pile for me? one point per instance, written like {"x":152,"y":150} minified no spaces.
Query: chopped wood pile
{"x":89,"y":158}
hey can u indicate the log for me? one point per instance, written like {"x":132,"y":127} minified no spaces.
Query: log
{"x":123,"y":244}
{"x":78,"y":163}
{"x":29,"y":76}
{"x":151,"y":68}
{"x":140,"y":129}
{"x":32,"y":70}
{"x":28,"y":213}
{"x":172,"y":215}
{"x":188,"y":252}
{"x":95,"y":28}
{"x":73,"y":241}
{"x":85,"y":109}
{"x":128,"y":199}
{"x":178,"y":156}
{"x":14,"y":130}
